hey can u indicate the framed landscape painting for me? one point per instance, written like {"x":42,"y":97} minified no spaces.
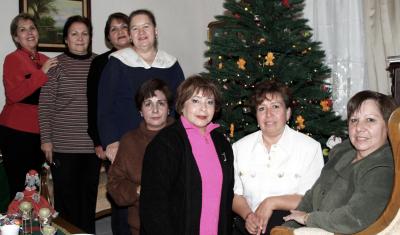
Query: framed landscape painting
{"x":50,"y":16}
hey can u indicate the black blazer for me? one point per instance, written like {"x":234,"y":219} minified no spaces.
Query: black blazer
{"x":170,"y":200}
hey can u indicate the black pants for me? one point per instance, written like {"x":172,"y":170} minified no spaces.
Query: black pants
{"x":21,"y":153}
{"x":276,"y":219}
{"x":119,"y":220}
{"x":76,"y":179}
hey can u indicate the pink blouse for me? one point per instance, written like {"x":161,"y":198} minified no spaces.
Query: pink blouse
{"x":211,"y":175}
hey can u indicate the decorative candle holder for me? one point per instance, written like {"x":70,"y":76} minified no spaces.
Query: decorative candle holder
{"x":48,"y":230}
{"x":44,"y":217}
{"x":26,"y":213}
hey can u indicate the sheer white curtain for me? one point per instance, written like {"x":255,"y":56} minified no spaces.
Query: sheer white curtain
{"x":338,"y":24}
{"x":382,"y":30}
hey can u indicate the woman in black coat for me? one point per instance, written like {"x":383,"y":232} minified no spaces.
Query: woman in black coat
{"x":187,"y":177}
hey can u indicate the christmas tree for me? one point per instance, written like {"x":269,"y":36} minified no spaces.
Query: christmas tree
{"x":257,"y":40}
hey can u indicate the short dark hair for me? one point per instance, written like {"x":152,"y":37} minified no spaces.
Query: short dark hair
{"x":270,"y":87}
{"x":193,"y":85}
{"x":114,"y":16}
{"x":14,"y":25}
{"x":79,"y":19}
{"x":386,"y":104}
{"x":147,"y":90}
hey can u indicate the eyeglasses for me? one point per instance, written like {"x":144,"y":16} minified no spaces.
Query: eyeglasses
{"x":150,"y":105}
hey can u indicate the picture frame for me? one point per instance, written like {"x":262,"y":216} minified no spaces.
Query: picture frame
{"x":50,"y":16}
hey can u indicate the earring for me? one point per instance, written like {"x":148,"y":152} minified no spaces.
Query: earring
{"x":141,"y":114}
{"x":168,"y":112}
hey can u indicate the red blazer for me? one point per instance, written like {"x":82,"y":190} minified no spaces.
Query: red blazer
{"x":22,"y":78}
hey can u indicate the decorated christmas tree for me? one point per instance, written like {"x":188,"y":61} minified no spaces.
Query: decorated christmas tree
{"x":258,"y":40}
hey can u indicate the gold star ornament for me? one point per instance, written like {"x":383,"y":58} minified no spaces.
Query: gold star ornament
{"x":269,"y":59}
{"x":241,"y":63}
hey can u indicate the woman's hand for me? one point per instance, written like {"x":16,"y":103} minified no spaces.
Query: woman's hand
{"x":264,"y":212}
{"x":299,"y":216}
{"x":47,"y":149}
{"x":100,"y":152}
{"x":50,"y":63}
{"x":111,"y":151}
{"x":252,"y":223}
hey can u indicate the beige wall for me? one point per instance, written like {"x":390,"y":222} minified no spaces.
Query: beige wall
{"x":182,"y":27}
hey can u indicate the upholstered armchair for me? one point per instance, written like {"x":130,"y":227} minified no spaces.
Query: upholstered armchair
{"x":389,"y":221}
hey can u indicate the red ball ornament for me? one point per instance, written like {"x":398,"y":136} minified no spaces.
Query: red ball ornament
{"x":330,"y":102}
{"x":285,"y":3}
{"x":325,"y":88}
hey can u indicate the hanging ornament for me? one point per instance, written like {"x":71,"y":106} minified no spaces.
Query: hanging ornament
{"x":269,"y":59}
{"x":257,"y":20}
{"x":325,"y":152}
{"x":246,"y":110}
{"x":285,"y":3}
{"x":306,"y":34}
{"x":333,"y":141}
{"x":220,"y":65}
{"x":326,"y":105}
{"x":325,"y":88}
{"x":241,"y":63}
{"x":261,"y":41}
{"x":300,"y":122}
{"x":231,"y":130}
{"x":236,"y":15}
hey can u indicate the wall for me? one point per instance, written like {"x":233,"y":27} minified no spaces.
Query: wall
{"x":182,"y":27}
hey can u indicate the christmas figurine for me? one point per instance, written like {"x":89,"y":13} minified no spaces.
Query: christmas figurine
{"x":30,"y":194}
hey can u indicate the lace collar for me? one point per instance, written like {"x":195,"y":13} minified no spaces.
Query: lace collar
{"x":129,"y":57}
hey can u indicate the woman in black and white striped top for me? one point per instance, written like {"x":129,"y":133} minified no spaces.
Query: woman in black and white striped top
{"x":63,"y":124}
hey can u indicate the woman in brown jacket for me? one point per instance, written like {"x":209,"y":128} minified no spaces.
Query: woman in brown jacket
{"x":153,"y":100}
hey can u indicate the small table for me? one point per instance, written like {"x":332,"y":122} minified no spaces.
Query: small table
{"x":68,"y":228}
{"x":63,"y":227}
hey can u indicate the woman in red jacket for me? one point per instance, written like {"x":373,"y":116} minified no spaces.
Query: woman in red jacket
{"x":24,"y":73}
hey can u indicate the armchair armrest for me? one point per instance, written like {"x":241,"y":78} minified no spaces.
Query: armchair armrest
{"x":281,"y":230}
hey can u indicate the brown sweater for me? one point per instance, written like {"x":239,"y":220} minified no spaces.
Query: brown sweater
{"x":124,"y":175}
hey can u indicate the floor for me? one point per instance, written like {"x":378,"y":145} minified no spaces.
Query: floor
{"x":103,"y":226}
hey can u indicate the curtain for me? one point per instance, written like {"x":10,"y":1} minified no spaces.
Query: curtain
{"x":338,"y":24}
{"x":382,"y":28}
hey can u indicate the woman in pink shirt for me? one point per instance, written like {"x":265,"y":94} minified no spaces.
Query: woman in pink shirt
{"x":187,"y":177}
